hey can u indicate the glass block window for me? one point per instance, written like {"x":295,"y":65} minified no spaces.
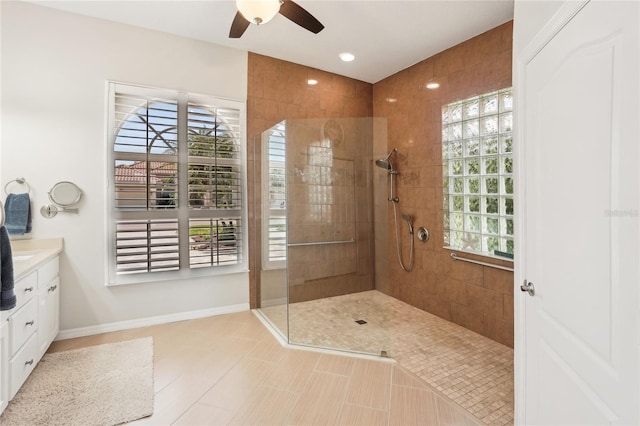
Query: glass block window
{"x":477,"y":164}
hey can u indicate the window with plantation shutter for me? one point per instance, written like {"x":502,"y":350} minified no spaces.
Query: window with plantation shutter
{"x":177,"y":179}
{"x":274,"y":250}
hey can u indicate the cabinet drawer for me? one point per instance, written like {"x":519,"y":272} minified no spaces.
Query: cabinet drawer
{"x":22,"y":364}
{"x":22,"y":325}
{"x":26,"y":288}
{"x":4,"y":366}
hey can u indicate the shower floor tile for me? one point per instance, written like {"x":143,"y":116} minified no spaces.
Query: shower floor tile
{"x":470,"y":369}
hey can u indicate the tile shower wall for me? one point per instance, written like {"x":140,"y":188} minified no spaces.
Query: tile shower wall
{"x":329,"y":199}
{"x":278,"y":90}
{"x":476,"y":297}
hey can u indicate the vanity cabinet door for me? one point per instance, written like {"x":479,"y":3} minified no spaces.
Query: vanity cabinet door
{"x":4,"y":366}
{"x":48,"y":304}
{"x":22,"y":364}
{"x":49,"y":314}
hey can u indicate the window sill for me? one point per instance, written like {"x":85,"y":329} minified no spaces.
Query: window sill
{"x":156,"y":277}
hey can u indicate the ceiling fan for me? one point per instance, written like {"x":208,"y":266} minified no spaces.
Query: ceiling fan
{"x":262,"y":11}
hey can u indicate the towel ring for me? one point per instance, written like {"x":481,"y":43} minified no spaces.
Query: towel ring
{"x":20,"y":181}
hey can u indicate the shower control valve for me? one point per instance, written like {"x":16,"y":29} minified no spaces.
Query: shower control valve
{"x":423,"y":234}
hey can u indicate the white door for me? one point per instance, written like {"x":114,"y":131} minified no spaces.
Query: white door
{"x":580,"y":247}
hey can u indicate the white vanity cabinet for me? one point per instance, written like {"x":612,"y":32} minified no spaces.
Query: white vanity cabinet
{"x":30,"y":327}
{"x":48,"y":305}
{"x":4,"y":366}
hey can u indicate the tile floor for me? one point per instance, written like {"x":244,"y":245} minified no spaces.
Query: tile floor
{"x":470,"y":369}
{"x":230,"y":369}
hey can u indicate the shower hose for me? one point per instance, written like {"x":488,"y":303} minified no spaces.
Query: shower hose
{"x":398,"y":248}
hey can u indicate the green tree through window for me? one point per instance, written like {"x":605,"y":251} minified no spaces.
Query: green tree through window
{"x":478,"y":173}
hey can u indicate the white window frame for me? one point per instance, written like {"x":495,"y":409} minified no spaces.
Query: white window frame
{"x":468,"y":153}
{"x":184,"y":271}
{"x":268,"y":211}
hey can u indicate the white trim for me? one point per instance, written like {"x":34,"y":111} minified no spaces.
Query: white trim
{"x":561,"y":18}
{"x":145,"y":322}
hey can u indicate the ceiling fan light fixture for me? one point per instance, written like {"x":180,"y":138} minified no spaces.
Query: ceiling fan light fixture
{"x":258,"y":11}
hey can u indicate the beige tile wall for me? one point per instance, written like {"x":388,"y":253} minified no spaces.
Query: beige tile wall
{"x":476,"y":297}
{"x":278,"y":90}
{"x":329,"y":199}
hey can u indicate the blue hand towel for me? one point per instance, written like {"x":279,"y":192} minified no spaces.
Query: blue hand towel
{"x":7,"y":295}
{"x":18,"y":214}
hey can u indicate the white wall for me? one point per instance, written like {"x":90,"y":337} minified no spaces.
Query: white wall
{"x":54,"y":68}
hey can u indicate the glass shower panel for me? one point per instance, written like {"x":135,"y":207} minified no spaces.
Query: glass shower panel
{"x":271,"y":181}
{"x":324,"y":169}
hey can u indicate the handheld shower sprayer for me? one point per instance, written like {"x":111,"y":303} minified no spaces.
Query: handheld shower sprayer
{"x":409,"y":219}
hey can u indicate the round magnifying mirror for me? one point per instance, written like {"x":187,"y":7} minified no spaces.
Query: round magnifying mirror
{"x":65,"y":194}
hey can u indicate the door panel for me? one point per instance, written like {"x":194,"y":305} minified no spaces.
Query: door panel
{"x":574,"y":158}
{"x":581,"y":227}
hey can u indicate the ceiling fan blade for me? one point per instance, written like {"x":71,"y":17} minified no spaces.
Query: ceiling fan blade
{"x":238,"y":26}
{"x":300,"y":16}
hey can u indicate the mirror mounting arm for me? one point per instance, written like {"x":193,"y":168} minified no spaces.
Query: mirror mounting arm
{"x":64,"y":196}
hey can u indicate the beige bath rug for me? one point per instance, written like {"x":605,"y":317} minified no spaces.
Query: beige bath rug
{"x":99,"y":385}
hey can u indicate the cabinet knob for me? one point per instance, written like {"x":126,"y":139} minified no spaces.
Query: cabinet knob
{"x":29,"y":362}
{"x":29,"y":288}
{"x":30,"y":322}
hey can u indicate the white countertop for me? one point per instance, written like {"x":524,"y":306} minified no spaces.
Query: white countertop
{"x":29,"y":254}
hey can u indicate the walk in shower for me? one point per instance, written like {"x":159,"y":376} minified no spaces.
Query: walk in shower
{"x":326,"y":208}
{"x":317,"y":230}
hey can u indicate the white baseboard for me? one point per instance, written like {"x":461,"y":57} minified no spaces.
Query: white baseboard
{"x":145,"y":322}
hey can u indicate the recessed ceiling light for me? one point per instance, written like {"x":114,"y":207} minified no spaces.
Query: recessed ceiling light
{"x":391,"y":100}
{"x":347,"y":57}
{"x":433,"y":85}
{"x":312,"y":82}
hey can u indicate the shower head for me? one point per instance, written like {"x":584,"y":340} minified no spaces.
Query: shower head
{"x":385,"y":163}
{"x":406,"y":216}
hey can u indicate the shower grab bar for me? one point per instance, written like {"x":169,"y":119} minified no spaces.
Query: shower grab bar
{"x":320,"y":243}
{"x":491,"y":265}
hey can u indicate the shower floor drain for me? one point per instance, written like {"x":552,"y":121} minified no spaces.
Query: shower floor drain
{"x":361,"y":322}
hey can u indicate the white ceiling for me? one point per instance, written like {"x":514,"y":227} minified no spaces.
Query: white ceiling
{"x":385,"y":35}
